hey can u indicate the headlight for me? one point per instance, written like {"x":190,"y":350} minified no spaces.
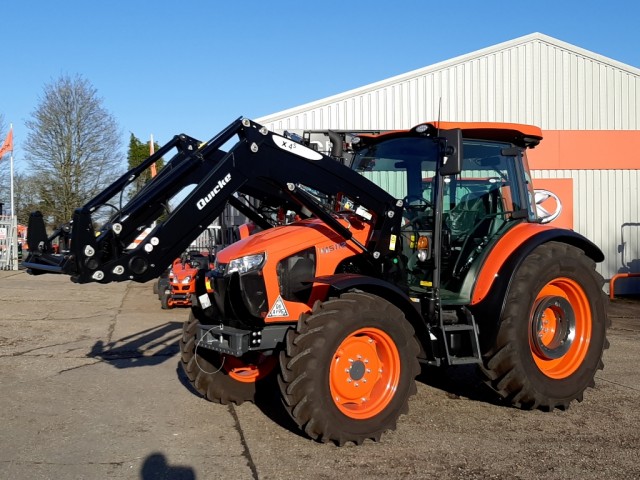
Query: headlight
{"x":246,"y":264}
{"x":186,"y":279}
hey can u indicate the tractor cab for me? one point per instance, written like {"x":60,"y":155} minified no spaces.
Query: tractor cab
{"x":487,"y":195}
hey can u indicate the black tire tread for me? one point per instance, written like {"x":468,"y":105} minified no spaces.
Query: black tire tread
{"x":503,"y":368}
{"x":301,"y":360}
{"x":205,"y":372}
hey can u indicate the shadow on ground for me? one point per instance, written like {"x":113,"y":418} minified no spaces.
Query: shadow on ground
{"x":155,"y":467}
{"x":460,"y":382}
{"x":456,"y":382}
{"x":267,"y":400}
{"x":148,"y":347}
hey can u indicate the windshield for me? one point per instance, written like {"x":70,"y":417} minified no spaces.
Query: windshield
{"x":400,"y":166}
{"x":405,"y":167}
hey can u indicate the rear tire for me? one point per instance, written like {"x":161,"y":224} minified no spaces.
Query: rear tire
{"x":222,"y":378}
{"x":349,"y":369}
{"x":552,"y":333}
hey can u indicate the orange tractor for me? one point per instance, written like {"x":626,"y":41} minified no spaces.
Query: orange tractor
{"x":414,"y":247}
{"x":181,"y":281}
{"x":176,"y":287}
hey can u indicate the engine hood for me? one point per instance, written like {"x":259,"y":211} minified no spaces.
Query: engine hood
{"x":183,"y":270}
{"x":295,"y":236}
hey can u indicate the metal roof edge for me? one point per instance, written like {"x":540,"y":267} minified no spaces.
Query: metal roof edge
{"x":536,"y":36}
{"x":583,"y":52}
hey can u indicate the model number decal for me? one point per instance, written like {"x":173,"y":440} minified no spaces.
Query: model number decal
{"x":333,"y":248}
{"x":296,"y":148}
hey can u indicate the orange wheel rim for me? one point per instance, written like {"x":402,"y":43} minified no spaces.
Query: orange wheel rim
{"x":365,"y":373}
{"x":560,"y":328}
{"x":249,"y":372}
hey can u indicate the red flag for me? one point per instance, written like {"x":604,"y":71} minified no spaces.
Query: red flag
{"x":154,"y":172}
{"x":7,"y":146}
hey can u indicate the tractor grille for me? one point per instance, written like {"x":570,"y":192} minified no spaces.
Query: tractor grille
{"x":240,"y":298}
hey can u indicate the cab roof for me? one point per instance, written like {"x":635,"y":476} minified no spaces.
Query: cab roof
{"x":519,"y":134}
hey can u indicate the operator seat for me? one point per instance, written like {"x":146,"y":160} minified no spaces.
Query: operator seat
{"x":465,"y":217}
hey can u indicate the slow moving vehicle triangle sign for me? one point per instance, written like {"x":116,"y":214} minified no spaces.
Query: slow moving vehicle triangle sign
{"x":278,"y":309}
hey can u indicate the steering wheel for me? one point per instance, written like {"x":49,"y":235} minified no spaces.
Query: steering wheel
{"x":414,"y":217}
{"x":421,"y":206}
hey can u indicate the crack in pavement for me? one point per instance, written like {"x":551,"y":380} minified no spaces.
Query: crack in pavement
{"x":246,"y":453}
{"x":27,"y":352}
{"x":63,"y":464}
{"x":112,"y":324}
{"x":618,"y":384}
{"x":60,"y":372}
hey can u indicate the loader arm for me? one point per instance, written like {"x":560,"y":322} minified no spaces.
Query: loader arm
{"x":261,"y":164}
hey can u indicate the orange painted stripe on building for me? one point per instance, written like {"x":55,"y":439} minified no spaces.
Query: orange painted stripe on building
{"x":587,"y":150}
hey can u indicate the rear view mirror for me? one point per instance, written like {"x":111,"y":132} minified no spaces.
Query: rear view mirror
{"x":545,"y":200}
{"x":452,"y":161}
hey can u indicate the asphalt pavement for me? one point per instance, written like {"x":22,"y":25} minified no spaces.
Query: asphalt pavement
{"x":90,"y":388}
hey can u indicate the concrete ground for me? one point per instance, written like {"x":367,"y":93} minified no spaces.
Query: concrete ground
{"x":90,"y":389}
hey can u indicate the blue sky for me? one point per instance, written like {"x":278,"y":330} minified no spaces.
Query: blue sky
{"x":167,"y":67}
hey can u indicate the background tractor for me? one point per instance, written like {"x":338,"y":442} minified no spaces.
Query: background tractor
{"x":183,"y":277}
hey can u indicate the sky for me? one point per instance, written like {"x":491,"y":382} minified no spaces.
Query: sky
{"x":193,"y":66}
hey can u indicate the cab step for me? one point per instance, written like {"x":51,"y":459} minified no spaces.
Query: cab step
{"x":461,"y":340}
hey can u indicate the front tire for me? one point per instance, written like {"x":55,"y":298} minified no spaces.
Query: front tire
{"x":164,"y":301}
{"x":222,"y":378}
{"x":349,"y":369}
{"x":163,"y":287}
{"x":552,"y":332}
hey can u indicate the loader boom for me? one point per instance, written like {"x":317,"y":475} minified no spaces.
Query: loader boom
{"x":261,"y":163}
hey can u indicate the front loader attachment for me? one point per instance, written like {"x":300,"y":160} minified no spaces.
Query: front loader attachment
{"x":204,"y":178}
{"x":41,"y":251}
{"x":140,"y":212}
{"x":113,"y":251}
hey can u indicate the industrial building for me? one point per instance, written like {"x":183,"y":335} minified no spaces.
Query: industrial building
{"x":587,"y":105}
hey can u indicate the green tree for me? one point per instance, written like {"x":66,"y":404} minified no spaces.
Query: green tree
{"x":25,"y":196}
{"x":72,"y":147}
{"x":139,"y":152}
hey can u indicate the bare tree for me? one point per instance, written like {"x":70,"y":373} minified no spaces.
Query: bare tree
{"x":73,"y":147}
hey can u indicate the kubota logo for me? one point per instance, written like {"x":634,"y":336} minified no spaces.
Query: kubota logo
{"x":216,"y":190}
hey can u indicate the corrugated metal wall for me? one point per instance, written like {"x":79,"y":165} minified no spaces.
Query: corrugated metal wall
{"x":534,"y":79}
{"x":606,"y":211}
